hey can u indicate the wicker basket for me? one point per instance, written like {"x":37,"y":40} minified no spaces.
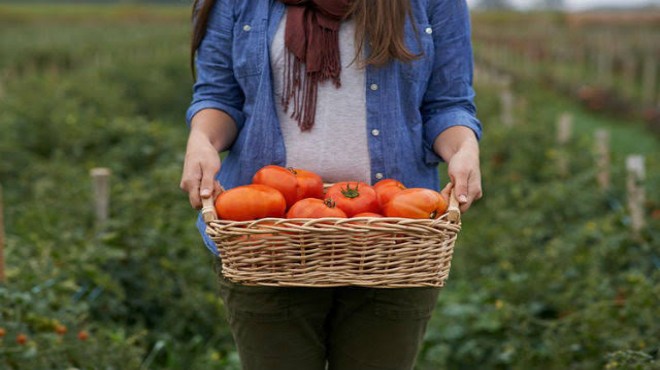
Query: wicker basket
{"x":374,"y":252}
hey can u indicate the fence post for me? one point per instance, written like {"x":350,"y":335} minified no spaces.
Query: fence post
{"x":101,"y":192}
{"x":635,"y":188}
{"x":507,"y":101}
{"x":3,"y":277}
{"x":564,"y":131}
{"x":603,"y":158}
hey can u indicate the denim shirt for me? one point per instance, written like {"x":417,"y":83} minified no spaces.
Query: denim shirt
{"x":408,"y":104}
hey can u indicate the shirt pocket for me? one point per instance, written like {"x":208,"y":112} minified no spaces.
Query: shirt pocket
{"x":248,"y":53}
{"x":421,"y":43}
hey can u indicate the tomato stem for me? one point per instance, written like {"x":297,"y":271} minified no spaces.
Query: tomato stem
{"x":350,"y":193}
{"x":329,"y":202}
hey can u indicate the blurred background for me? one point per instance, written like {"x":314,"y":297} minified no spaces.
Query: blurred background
{"x":557,"y":267}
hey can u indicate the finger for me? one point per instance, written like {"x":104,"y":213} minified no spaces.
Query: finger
{"x":460,"y":180}
{"x":208,"y":183}
{"x":194,"y":198}
{"x":190,"y":183}
{"x":475,"y":192}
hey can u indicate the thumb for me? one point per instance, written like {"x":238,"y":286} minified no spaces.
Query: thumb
{"x":461,"y":188}
{"x":207,"y":184}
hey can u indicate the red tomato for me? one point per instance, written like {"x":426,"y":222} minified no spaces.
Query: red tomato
{"x":294,"y":184}
{"x":60,"y":329}
{"x":310,"y":184}
{"x":250,"y":202}
{"x":368,"y":214}
{"x":416,"y":203}
{"x":279,"y":178}
{"x":257,"y":236}
{"x":83,"y":335}
{"x":21,"y":339}
{"x":385,"y":189}
{"x":315,"y":208}
{"x":353,"y":197}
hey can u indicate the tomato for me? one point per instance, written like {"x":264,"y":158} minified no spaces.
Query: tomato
{"x":21,"y":339}
{"x":310,"y":184}
{"x":2,"y":332}
{"x":256,"y":237}
{"x":416,"y":203}
{"x":83,"y":335}
{"x":354,"y":197}
{"x":60,"y":329}
{"x":250,"y":202}
{"x":279,"y":178}
{"x":315,"y":208}
{"x":294,"y":184}
{"x":368,"y":214}
{"x":385,"y":189}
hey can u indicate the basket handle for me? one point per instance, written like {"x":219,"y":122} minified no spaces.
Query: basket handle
{"x":453,"y":211}
{"x":208,"y":210}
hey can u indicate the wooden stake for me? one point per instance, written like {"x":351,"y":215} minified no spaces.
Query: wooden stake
{"x":636,"y":193}
{"x":3,"y":278}
{"x":101,"y":191}
{"x":507,"y":101}
{"x":564,"y":128}
{"x":564,"y":131}
{"x":603,"y":158}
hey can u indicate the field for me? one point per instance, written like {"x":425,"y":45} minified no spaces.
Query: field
{"x":549,"y":271}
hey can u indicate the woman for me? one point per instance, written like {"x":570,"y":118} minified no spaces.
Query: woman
{"x":350,"y":89}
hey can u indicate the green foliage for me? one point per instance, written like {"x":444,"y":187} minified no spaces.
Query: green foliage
{"x":59,"y":333}
{"x":546,"y":273}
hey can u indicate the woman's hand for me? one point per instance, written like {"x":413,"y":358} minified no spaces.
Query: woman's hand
{"x":200,"y":166}
{"x":211,"y":131}
{"x":458,"y":146}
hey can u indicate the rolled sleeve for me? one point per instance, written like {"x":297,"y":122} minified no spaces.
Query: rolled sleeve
{"x":449,"y":99}
{"x":234,"y":113}
{"x":449,"y":118}
{"x":216,"y":86}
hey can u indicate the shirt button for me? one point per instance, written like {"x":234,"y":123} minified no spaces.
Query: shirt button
{"x":428,"y":30}
{"x":247,"y":28}
{"x":373,"y":87}
{"x":379,"y":175}
{"x":375,"y":132}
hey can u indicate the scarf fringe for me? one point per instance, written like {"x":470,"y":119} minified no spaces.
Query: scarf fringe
{"x":301,"y":86}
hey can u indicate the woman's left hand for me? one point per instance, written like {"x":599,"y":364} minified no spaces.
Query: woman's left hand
{"x":458,"y":146}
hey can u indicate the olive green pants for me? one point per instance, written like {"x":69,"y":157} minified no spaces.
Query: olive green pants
{"x":343,"y":328}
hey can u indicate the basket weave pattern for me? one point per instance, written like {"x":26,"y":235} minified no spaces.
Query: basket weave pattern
{"x":325,"y":252}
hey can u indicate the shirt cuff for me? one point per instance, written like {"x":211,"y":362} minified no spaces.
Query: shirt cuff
{"x":235,"y":114}
{"x":444,"y":120}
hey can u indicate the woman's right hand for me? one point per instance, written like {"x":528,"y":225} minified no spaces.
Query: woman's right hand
{"x":211,"y":131}
{"x":200,"y":166}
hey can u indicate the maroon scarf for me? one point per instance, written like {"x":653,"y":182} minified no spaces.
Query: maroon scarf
{"x":311,"y":38}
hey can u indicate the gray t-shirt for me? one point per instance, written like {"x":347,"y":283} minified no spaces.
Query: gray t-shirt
{"x":336,"y":147}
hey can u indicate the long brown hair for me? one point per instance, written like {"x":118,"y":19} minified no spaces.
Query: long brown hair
{"x":379,"y":24}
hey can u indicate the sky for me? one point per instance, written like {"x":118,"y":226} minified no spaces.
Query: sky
{"x":581,"y":4}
